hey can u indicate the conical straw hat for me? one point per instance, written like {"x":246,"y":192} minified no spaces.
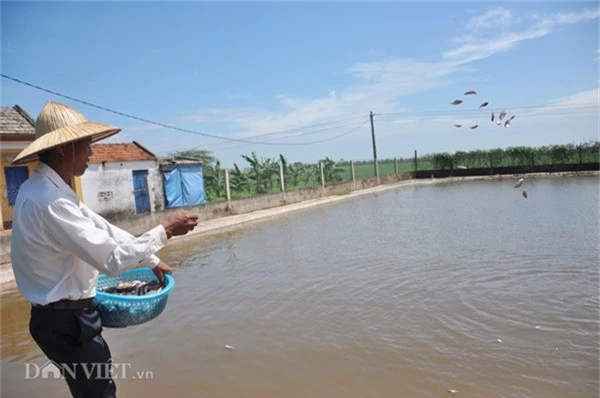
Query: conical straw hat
{"x":59,"y":124}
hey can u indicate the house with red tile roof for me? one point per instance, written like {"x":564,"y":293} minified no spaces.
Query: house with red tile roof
{"x":122,"y":179}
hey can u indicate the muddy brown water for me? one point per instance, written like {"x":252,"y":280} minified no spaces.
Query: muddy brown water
{"x":407,"y":293}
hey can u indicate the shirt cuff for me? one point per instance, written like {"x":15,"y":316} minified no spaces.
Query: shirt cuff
{"x":153,"y":261}
{"x":161,"y":234}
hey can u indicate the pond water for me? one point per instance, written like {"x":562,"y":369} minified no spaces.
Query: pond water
{"x":410,"y":292}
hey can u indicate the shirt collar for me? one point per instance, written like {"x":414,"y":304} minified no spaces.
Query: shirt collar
{"x":49,"y":173}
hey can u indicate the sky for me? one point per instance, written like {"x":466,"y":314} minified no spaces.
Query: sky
{"x":301,"y":78}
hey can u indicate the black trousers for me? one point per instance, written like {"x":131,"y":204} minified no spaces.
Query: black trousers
{"x":72,"y":340}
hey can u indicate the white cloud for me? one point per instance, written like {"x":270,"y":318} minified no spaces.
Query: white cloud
{"x":568,"y":17}
{"x":477,"y":49}
{"x":476,"y":46}
{"x":498,"y":16}
{"x":377,"y":87}
{"x":380,"y":85}
{"x":582,"y":103}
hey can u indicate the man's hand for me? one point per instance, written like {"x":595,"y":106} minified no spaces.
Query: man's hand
{"x":160,"y":270}
{"x":179,"y":223}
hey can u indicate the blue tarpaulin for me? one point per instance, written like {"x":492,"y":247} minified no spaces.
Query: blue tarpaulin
{"x":184,"y":186}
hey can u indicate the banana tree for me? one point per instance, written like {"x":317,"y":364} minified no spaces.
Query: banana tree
{"x":331,"y":172}
{"x":239,"y":181}
{"x":294,"y":173}
{"x":261,"y":172}
{"x":214,"y":181}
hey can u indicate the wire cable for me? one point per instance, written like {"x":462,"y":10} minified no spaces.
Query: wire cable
{"x":307,"y":143}
{"x":141,"y":119}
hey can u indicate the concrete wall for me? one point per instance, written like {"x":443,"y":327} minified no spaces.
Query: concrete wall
{"x":139,"y":223}
{"x":486,"y":171}
{"x":108,"y":188}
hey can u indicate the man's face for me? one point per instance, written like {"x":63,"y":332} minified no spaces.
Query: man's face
{"x":82,"y":151}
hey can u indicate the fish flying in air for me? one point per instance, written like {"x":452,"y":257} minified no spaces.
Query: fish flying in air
{"x":519,"y":183}
{"x":492,"y":116}
{"x":473,"y":126}
{"x":471,"y":92}
{"x":457,"y":125}
{"x":525,"y":194}
{"x":502,"y":114}
{"x":507,"y":124}
{"x":456,"y":102}
{"x":483,"y":105}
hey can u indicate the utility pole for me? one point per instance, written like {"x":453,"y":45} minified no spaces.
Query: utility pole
{"x":374,"y":149}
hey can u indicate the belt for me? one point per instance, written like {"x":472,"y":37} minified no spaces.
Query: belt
{"x":67,"y":304}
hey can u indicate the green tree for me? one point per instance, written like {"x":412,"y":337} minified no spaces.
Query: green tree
{"x":496,"y":156}
{"x":331,"y":171}
{"x":205,"y":156}
{"x":460,"y":158}
{"x":559,"y":153}
{"x":239,"y":181}
{"x":214,"y":181}
{"x":261,"y":172}
{"x":443,"y":161}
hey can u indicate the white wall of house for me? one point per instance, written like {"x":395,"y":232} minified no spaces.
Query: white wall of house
{"x":108,"y":188}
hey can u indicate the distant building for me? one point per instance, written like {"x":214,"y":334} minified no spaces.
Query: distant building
{"x":183,"y":181}
{"x":16,"y":132}
{"x":122,"y":179}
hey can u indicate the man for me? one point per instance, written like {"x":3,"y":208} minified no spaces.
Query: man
{"x":59,"y":246}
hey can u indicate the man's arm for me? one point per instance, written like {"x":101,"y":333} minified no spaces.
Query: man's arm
{"x":118,"y":234}
{"x":79,"y":234}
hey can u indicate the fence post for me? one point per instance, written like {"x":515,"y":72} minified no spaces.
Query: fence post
{"x":227,"y":191}
{"x":395,"y":166}
{"x":416,"y":164}
{"x":322,"y":177}
{"x":353,"y":176}
{"x":281,"y":177}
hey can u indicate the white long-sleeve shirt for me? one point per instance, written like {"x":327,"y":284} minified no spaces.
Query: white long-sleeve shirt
{"x":59,"y":245}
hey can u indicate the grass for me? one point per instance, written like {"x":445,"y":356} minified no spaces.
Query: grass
{"x":366,"y":170}
{"x":342,"y":192}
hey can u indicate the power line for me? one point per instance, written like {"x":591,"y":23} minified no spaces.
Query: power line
{"x":241,"y":140}
{"x":556,"y":110}
{"x":307,"y":143}
{"x":306,"y":133}
{"x":480,"y":111}
{"x":305,"y":127}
